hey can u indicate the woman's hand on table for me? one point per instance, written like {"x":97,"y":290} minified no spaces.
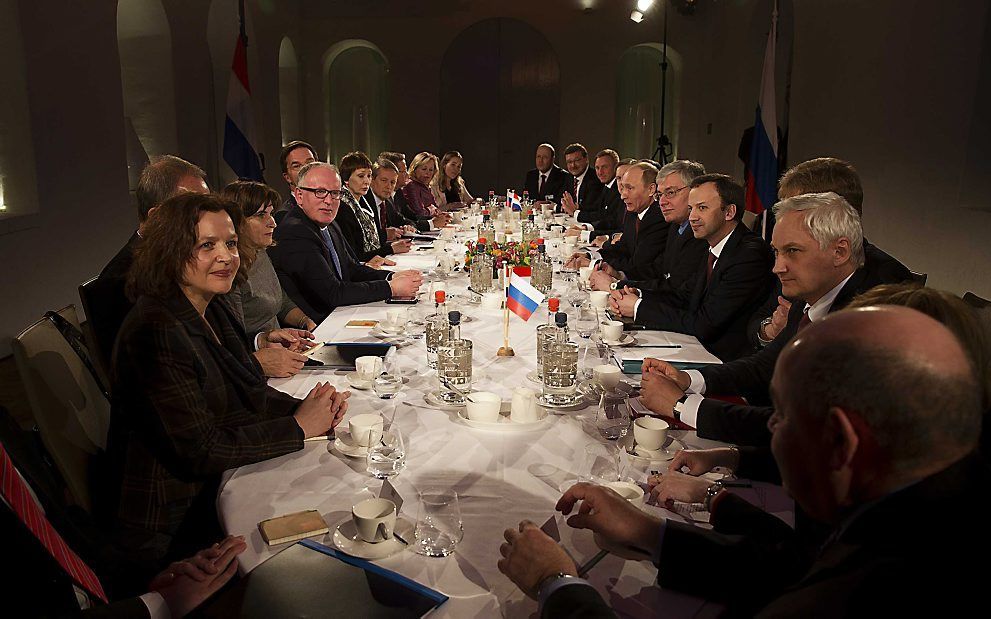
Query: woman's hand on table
{"x":321,"y":410}
{"x":672,"y":486}
{"x":700,"y":461}
{"x":279,"y":362}
{"x":295,"y":340}
{"x":607,"y":513}
{"x":530,"y":556}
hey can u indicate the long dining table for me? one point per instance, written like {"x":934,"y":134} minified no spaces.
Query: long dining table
{"x":501,"y":476}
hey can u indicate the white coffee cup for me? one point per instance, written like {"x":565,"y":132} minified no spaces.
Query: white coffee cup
{"x":585,"y":273}
{"x":375,"y":519}
{"x":524,"y":407}
{"x":611,"y":330}
{"x":368,"y":367}
{"x":492,"y":300}
{"x":557,"y":232}
{"x":447,"y":232}
{"x":607,"y":375}
{"x":599,"y":298}
{"x":483,"y":406}
{"x":366,"y":428}
{"x":629,"y":491}
{"x":650,"y":432}
{"x":585,"y":236}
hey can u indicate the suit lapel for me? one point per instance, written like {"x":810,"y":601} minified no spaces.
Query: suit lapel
{"x":728,"y":249}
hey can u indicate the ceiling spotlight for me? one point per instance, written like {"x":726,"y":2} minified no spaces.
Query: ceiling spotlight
{"x":636,"y":16}
{"x":642,"y":6}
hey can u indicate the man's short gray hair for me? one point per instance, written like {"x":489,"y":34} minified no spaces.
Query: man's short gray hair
{"x":313,"y":165}
{"x":828,"y":217}
{"x":687,"y":170}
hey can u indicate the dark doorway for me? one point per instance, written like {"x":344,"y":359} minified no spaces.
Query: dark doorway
{"x":500,"y":97}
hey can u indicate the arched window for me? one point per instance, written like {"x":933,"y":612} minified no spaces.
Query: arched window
{"x":356,"y":98}
{"x":288,"y":91}
{"x":145,"y":45}
{"x":18,"y":183}
{"x":638,"y":100}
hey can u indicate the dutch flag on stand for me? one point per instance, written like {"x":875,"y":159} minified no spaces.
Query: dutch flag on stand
{"x":513,"y":200}
{"x":762,"y":177}
{"x":240,"y":150}
{"x":522,"y":299}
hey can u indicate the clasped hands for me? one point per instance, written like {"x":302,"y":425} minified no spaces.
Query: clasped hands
{"x":280,"y":351}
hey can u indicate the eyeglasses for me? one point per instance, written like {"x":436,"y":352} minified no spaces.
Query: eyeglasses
{"x":670,"y":193}
{"x":320,"y":193}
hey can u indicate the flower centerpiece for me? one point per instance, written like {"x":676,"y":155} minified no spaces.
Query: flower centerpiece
{"x":514,"y":253}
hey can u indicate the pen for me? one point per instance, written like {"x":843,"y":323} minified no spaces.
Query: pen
{"x":591,"y":563}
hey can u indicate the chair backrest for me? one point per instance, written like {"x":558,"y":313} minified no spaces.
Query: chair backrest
{"x":919,"y":278}
{"x":982,"y":309}
{"x":69,"y":407}
{"x":102,"y":300}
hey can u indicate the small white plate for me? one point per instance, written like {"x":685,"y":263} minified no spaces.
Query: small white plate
{"x":432,"y":399}
{"x":392,"y":332}
{"x":649,"y":455}
{"x":347,"y":541}
{"x":626,"y":340}
{"x":504,"y":424}
{"x":358,"y":383}
{"x":578,"y":400}
{"x":345,"y":444}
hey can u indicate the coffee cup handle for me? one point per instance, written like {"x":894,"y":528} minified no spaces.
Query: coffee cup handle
{"x":385,"y":531}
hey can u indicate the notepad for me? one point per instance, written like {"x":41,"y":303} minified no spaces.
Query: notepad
{"x":292,"y":527}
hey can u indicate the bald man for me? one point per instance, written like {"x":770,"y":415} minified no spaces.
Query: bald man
{"x":877,"y":415}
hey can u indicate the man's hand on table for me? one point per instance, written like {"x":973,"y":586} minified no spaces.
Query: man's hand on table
{"x":673,"y":486}
{"x":401,"y":246}
{"x":624,"y":301}
{"x":186,"y":584}
{"x":656,"y":366}
{"x":405,"y":283}
{"x":530,"y":556}
{"x":600,"y":240}
{"x":659,"y":393}
{"x":441,"y":219}
{"x":601,"y":279}
{"x":578,"y":260}
{"x":573,"y":231}
{"x":322,"y":410}
{"x":377,"y":262}
{"x":701,"y":461}
{"x":611,"y":516}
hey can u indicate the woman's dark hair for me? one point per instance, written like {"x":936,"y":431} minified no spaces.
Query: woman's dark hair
{"x":252,"y":197}
{"x":168,"y":240}
{"x":355,"y":160}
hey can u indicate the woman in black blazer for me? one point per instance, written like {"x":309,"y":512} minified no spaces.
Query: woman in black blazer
{"x":359,"y":222}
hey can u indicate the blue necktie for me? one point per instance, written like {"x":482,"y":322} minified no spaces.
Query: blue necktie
{"x":682,"y":228}
{"x":325,"y":235}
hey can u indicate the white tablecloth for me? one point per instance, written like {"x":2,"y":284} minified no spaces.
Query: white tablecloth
{"x":501,"y":477}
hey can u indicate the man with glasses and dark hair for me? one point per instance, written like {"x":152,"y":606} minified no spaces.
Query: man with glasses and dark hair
{"x":293,"y":157}
{"x":312,"y":259}
{"x":586,"y":189}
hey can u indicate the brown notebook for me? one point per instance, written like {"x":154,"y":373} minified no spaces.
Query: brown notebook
{"x":292,"y":527}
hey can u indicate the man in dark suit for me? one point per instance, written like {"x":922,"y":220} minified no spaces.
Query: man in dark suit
{"x":587,"y":188}
{"x":161,"y":179}
{"x":877,"y":422}
{"x":731,"y":284}
{"x":314,"y":266}
{"x":683,"y":253}
{"x":293,"y":157}
{"x":606,"y":218}
{"x":547,"y":181}
{"x":605,"y":166}
{"x":819,"y":176}
{"x":820,"y":263}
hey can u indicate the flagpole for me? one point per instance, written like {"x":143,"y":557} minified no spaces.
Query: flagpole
{"x":506,"y":350}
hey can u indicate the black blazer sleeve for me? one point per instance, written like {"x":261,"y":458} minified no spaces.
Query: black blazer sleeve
{"x":734,"y":423}
{"x":576,"y":602}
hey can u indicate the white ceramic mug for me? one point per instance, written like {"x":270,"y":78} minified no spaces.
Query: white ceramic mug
{"x":375,"y":519}
{"x":483,"y":406}
{"x":524,"y":407}
{"x":607,"y":375}
{"x":368,"y":367}
{"x":650,"y":432}
{"x":599,"y":298}
{"x":366,"y":428}
{"x":611,"y":330}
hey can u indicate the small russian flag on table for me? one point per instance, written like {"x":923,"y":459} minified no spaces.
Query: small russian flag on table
{"x":522,"y":299}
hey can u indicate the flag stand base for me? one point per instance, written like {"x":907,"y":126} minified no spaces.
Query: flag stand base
{"x":505,"y":351}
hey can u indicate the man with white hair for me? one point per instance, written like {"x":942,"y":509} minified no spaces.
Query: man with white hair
{"x":819,"y":260}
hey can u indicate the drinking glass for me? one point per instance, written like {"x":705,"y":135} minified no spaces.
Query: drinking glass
{"x":438,"y":523}
{"x":546,"y":334}
{"x":438,"y":330}
{"x":454,"y":370}
{"x":560,"y":373}
{"x":585,"y":320}
{"x":612,"y":418}
{"x":387,"y":456}
{"x":600,"y":464}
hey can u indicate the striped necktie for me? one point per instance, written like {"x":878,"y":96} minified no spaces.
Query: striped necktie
{"x":16,"y":493}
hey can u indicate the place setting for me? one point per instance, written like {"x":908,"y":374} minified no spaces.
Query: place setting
{"x":486,"y":410}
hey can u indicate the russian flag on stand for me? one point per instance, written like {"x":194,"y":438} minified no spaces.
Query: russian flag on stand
{"x":513,"y":200}
{"x":762,"y":176}
{"x":522,"y":299}
{"x":240,"y":150}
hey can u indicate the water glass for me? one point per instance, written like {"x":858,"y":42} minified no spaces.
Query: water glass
{"x":387,"y":456}
{"x":438,"y":330}
{"x":438,"y":523}
{"x":560,"y":372}
{"x":585,"y":320}
{"x":454,"y":370}
{"x":600,"y":464}
{"x":612,"y":418}
{"x":546,"y":335}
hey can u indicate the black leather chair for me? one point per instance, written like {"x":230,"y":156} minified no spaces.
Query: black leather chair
{"x":919,"y":278}
{"x":104,"y":305}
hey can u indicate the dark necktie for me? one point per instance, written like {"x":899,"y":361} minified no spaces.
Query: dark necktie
{"x":16,"y":493}
{"x":805,"y":321}
{"x":329,"y":243}
{"x":540,"y":185}
{"x":385,"y":214}
{"x":708,"y":267}
{"x":575,"y":189}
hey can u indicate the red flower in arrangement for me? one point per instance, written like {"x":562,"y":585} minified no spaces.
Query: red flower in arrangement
{"x":511,"y":252}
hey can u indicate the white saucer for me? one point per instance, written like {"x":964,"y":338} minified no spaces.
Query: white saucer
{"x":345,"y":444}
{"x":347,"y":541}
{"x":578,"y":400}
{"x":357,"y":383}
{"x":650,"y":455}
{"x":534,"y":376}
{"x":626,"y":340}
{"x":378,"y":331}
{"x":504,"y":423}
{"x":431,"y":399}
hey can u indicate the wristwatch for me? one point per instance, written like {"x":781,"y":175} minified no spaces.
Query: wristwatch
{"x":613,"y":286}
{"x":711,"y":493}
{"x":681,"y":400}
{"x":760,"y":331}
